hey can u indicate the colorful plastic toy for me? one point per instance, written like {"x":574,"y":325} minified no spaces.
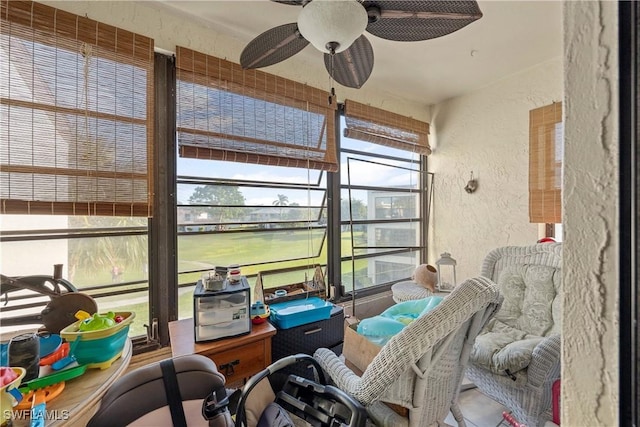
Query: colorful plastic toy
{"x":257,"y":308}
{"x":99,"y":348}
{"x":9,"y":393}
{"x":7,"y":376}
{"x":98,"y":322}
{"x":259,"y":312}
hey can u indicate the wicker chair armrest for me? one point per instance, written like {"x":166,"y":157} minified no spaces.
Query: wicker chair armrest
{"x":343,"y":377}
{"x":384,"y":416}
{"x":545,"y":361}
{"x":414,"y":341}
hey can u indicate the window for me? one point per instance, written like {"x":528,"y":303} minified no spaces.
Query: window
{"x":105,"y":257}
{"x":266,"y":218}
{"x":381,"y":224}
{"x":395,"y":207}
{"x":76,"y":115}
{"x":390,"y":236}
{"x":557,"y":232}
{"x":249,"y":116}
{"x":383,"y":186}
{"x":235,"y":201}
{"x":76,"y":142}
{"x":253,"y":150}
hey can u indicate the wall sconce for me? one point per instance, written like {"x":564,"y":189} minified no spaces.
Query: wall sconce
{"x":472,"y":185}
{"x":446,"y":272}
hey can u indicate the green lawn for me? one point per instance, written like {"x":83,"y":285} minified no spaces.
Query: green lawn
{"x":208,"y":250}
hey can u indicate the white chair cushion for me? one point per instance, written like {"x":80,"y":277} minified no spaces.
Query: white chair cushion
{"x":529,"y":294}
{"x":529,"y":313}
{"x":501,"y":348}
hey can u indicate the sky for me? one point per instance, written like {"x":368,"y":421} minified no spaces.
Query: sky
{"x":359,"y":173}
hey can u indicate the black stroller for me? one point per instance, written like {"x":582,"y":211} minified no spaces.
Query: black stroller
{"x":300,"y":402}
{"x":189,"y":391}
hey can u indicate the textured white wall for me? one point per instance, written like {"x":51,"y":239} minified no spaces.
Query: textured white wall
{"x":486,"y":132}
{"x":590,"y":202}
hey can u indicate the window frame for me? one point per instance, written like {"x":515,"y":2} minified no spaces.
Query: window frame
{"x":105,"y":172}
{"x":425,"y":190}
{"x":163,"y":280}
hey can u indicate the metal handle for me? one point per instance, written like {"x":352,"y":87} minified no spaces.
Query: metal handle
{"x":312,"y":331}
{"x":274,"y":367}
{"x":228,"y":367}
{"x":21,"y":284}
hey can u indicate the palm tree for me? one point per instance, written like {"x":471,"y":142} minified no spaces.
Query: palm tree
{"x":112,"y":253}
{"x":282,"y":201}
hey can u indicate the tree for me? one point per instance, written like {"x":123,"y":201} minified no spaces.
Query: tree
{"x":358,"y":208}
{"x":296,"y":214}
{"x":213,"y":195}
{"x":124,"y":253}
{"x":282,"y":201}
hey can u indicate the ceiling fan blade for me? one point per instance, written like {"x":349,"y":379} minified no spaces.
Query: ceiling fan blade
{"x":273,"y":46}
{"x":419,"y":20}
{"x":351,"y":67}
{"x":291,"y":2}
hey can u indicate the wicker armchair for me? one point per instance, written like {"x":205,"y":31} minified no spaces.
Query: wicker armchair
{"x":529,"y":279}
{"x":421,"y":367}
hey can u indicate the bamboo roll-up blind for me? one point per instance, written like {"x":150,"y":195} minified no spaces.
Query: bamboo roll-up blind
{"x":227,"y":113}
{"x":76,"y":118}
{"x":545,"y":164}
{"x":382,"y":127}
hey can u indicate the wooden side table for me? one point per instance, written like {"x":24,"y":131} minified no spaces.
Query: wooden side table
{"x":237,"y":358}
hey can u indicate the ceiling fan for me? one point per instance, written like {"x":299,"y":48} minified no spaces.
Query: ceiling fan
{"x":336,"y":27}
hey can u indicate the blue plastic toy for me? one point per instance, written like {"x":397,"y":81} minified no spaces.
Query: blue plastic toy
{"x":257,"y":308}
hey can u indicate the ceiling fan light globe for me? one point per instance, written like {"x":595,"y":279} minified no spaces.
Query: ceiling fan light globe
{"x":327,"y":22}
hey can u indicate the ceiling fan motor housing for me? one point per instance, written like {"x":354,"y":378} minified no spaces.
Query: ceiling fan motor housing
{"x":332,"y":24}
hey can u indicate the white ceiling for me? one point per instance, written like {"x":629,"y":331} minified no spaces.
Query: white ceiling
{"x":510,"y":37}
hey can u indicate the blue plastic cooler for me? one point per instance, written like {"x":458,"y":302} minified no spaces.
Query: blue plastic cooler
{"x":289,"y":314}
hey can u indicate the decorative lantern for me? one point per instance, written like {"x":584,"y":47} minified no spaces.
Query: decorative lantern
{"x":446,"y":272}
